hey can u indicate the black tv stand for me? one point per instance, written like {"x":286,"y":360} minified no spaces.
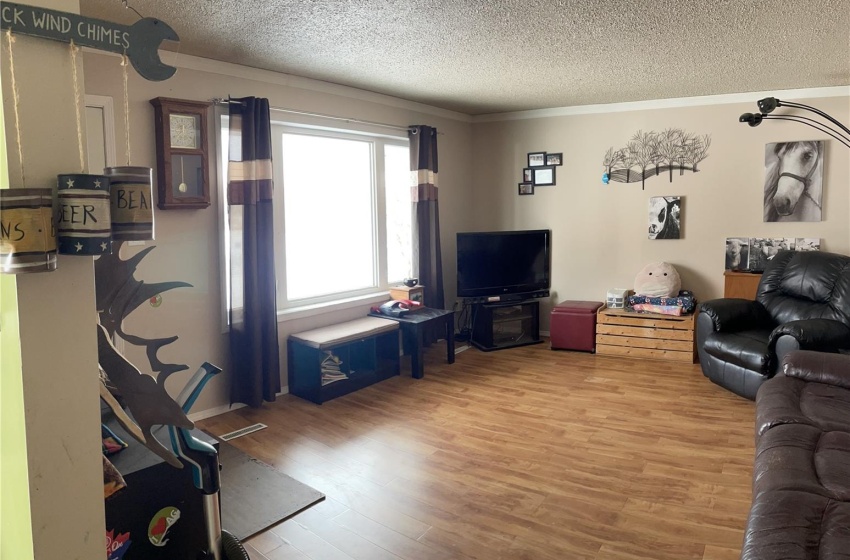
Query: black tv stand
{"x":501,"y":325}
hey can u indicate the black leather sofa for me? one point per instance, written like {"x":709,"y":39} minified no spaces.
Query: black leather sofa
{"x":801,"y":479}
{"x":802,"y":302}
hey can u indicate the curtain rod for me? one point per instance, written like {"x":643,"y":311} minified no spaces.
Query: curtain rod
{"x":222,"y":101}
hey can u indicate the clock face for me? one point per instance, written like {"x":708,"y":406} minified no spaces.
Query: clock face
{"x":185,"y":131}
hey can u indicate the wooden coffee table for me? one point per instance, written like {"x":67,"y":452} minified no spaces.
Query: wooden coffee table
{"x":413,"y":327}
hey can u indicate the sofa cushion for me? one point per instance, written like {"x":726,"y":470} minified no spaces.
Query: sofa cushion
{"x":746,"y":349}
{"x":343,"y":333}
{"x":789,"y":400}
{"x":803,"y":458}
{"x":795,"y":525}
{"x":832,"y":464}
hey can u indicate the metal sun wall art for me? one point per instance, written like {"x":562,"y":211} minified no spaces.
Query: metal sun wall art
{"x":649,"y":154}
{"x":119,"y":293}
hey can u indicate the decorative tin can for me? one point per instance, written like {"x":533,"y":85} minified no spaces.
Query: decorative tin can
{"x":27,"y":231}
{"x":83,"y":223}
{"x":132,"y":202}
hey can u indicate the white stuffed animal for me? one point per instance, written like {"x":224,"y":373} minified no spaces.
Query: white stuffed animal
{"x":658,"y":279}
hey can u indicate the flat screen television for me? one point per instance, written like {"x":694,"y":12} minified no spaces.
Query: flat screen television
{"x":499,"y":263}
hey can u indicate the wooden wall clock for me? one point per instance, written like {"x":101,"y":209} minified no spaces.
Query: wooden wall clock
{"x":182,"y":153}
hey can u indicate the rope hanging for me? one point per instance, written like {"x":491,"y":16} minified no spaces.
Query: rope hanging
{"x":74,"y":50}
{"x":16,"y":99}
{"x":125,"y":63}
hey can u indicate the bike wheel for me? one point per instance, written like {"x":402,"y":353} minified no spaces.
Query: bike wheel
{"x":232,"y":548}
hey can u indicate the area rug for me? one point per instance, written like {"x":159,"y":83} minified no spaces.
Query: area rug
{"x":255,"y":496}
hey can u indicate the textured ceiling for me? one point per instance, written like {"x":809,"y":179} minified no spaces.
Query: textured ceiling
{"x":494,"y":56}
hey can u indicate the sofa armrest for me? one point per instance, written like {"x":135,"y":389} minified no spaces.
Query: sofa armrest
{"x":825,"y":335}
{"x":733,"y":314}
{"x":818,"y":367}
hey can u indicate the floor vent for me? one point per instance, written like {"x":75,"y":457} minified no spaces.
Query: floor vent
{"x":243,"y":432}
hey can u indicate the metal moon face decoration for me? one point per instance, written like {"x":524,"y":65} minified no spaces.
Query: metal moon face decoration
{"x":83,"y":223}
{"x":27,"y":231}
{"x":131,"y":192}
{"x":139,"y":41}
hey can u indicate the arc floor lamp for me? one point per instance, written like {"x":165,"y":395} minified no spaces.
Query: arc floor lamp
{"x":769,"y":104}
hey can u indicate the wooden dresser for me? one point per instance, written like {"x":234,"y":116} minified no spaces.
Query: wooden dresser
{"x":741,"y":284}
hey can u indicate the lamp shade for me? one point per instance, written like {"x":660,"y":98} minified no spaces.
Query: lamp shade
{"x":131,"y":202}
{"x":27,"y":231}
{"x":83,"y":224}
{"x":751,"y":119}
{"x":768,"y":104}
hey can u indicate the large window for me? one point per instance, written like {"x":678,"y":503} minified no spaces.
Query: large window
{"x":342,"y":214}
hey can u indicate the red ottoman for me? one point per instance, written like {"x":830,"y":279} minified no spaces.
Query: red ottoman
{"x":573,"y":325}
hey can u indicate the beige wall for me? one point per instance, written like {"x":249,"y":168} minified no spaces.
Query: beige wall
{"x":600,"y":231}
{"x":57,"y":319}
{"x":187,"y":241}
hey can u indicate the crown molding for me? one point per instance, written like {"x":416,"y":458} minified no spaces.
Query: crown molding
{"x":702,"y":100}
{"x":190,"y":62}
{"x":209,"y":65}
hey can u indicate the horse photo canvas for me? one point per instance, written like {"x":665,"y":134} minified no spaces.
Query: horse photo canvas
{"x":737,"y":253}
{"x":793,"y":181}
{"x":665,"y":217}
{"x":763,"y":249}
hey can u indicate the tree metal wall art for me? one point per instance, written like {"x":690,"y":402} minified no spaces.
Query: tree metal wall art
{"x":649,"y":154}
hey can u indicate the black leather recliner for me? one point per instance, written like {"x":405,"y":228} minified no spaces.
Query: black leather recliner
{"x":802,"y":303}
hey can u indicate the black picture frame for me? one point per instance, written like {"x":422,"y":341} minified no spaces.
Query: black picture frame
{"x":559,"y":158}
{"x":538,"y":159}
{"x":525,"y":189}
{"x":527,"y":175}
{"x":542,"y":178}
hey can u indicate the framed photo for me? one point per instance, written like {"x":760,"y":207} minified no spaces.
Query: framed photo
{"x":526,"y":188}
{"x":554,"y":159}
{"x":807,"y":244}
{"x":665,"y":217}
{"x":537,"y":159}
{"x":737,"y":253}
{"x":763,"y":249}
{"x":543,"y":176}
{"x":793,"y":181}
{"x":527,"y":176}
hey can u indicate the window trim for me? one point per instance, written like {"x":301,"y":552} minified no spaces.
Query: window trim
{"x":309,"y":307}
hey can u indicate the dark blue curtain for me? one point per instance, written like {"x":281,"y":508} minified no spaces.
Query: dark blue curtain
{"x":427,"y":258}
{"x":254,"y":352}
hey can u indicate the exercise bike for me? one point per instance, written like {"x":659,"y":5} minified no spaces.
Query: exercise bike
{"x":202,"y":459}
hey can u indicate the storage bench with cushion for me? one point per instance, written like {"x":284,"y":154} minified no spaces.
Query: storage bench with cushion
{"x":333,"y":361}
{"x":801,"y":479}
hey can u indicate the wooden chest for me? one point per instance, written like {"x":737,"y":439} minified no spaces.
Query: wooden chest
{"x":646,"y":335}
{"x":416,"y":293}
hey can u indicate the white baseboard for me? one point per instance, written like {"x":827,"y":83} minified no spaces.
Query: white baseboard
{"x":210,"y":412}
{"x":223,"y":409}
{"x":544,"y":333}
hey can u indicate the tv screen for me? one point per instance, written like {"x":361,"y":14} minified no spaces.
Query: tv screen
{"x":498,"y":263}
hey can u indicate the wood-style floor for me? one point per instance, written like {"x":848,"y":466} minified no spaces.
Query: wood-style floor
{"x":525,"y":453}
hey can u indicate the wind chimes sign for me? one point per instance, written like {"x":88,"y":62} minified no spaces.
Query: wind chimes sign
{"x":131,"y":209}
{"x":27,"y":233}
{"x":83,"y":223}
